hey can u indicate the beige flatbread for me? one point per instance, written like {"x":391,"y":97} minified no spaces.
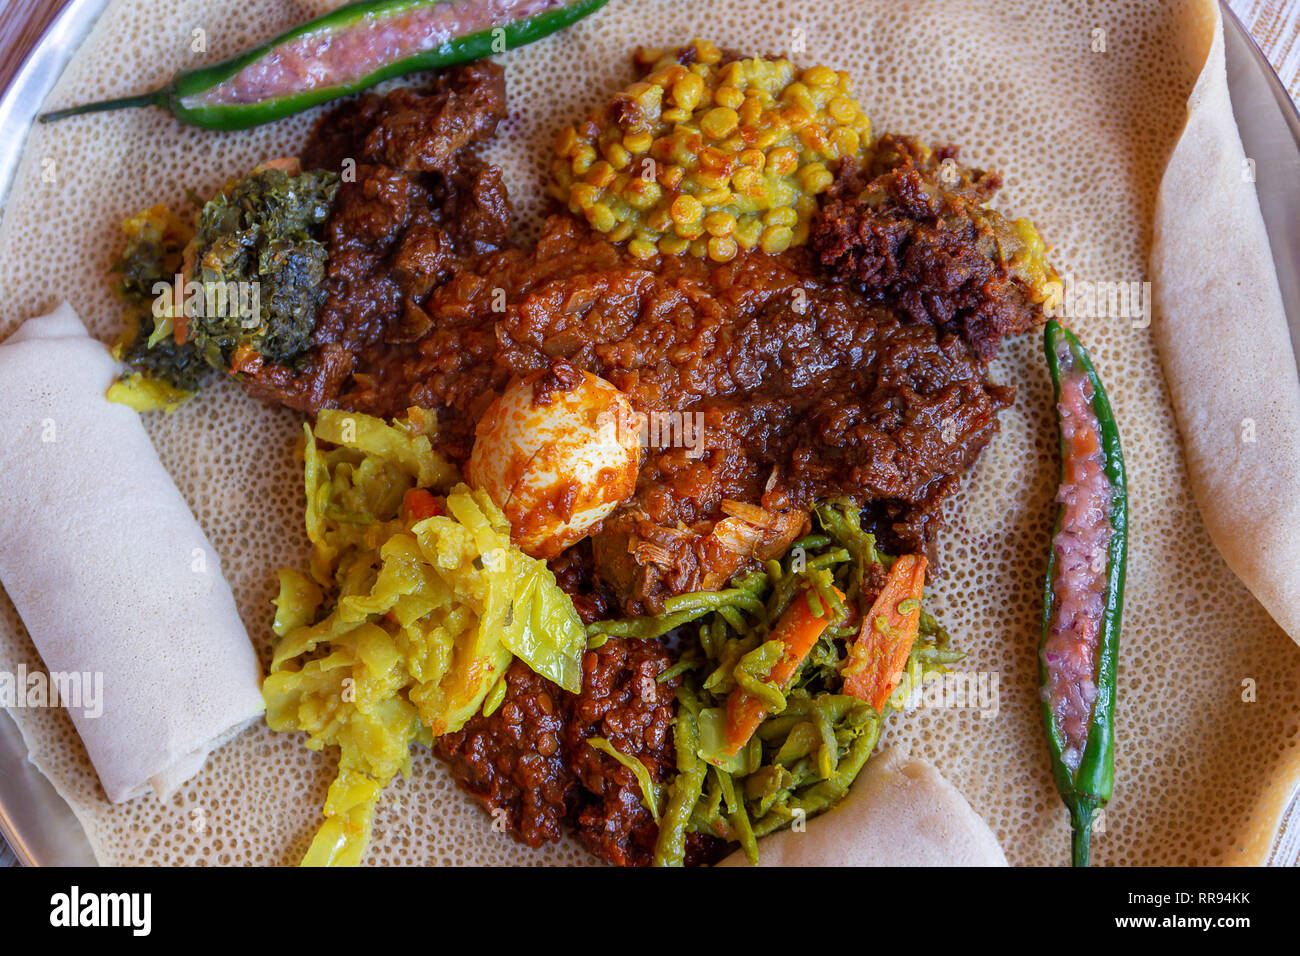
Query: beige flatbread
{"x":115,"y":581}
{"x":1226,"y":351}
{"x":1079,"y":106}
{"x":901,"y":812}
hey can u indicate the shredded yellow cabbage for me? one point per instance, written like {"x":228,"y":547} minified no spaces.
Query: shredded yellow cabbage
{"x":424,"y":614}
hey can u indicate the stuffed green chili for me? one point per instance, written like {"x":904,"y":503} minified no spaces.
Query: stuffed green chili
{"x":349,"y":49}
{"x":1084,"y":592}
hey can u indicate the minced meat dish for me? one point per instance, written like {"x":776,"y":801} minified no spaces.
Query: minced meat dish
{"x":533,"y":769}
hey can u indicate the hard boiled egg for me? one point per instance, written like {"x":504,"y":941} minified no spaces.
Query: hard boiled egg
{"x":556,"y":452}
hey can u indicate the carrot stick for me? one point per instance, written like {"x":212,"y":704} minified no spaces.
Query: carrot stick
{"x":878,"y":656}
{"x":797,"y":629}
{"x":419,"y":504}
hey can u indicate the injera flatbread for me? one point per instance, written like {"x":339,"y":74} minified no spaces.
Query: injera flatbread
{"x":1227,"y":353}
{"x":900,"y":812}
{"x":1079,"y":105}
{"x":116,"y":581}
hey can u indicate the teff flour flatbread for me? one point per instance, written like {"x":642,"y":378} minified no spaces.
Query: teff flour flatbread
{"x":1078,"y":107}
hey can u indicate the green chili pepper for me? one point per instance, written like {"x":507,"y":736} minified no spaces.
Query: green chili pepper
{"x":260,"y":85}
{"x":1087,"y":787}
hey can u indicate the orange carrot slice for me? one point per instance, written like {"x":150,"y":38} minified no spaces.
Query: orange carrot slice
{"x":245,"y":359}
{"x":878,"y":656}
{"x":419,"y":504}
{"x":797,"y":629}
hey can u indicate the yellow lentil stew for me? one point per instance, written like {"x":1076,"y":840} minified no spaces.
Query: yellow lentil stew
{"x":710,"y":156}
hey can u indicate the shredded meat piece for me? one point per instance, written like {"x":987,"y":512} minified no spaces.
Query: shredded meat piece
{"x":913,"y":231}
{"x":639,"y":556}
{"x":425,"y":133}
